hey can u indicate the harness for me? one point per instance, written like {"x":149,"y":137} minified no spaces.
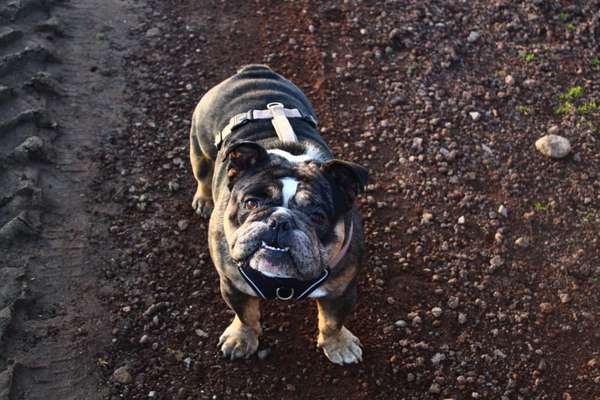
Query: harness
{"x":267,"y":287}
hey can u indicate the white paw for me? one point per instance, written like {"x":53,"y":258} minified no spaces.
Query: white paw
{"x":238,"y":341}
{"x":343,"y":348}
{"x":203,"y":207}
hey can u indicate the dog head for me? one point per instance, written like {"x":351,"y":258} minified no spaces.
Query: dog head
{"x":286,"y":211}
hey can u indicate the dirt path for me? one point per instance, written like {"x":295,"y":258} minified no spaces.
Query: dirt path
{"x":62,"y":97}
{"x":481,"y":280}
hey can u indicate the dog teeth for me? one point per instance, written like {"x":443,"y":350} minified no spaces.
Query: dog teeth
{"x":272,"y":248}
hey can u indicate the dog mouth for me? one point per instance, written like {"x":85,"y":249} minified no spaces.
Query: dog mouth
{"x":264,"y":245}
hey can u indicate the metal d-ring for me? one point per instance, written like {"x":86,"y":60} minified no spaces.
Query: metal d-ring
{"x":284,"y":298}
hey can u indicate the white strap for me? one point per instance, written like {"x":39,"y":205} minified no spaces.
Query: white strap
{"x":282,"y":126}
{"x":278,"y":115}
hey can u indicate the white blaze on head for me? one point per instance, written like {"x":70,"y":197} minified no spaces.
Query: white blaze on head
{"x":310,"y":153}
{"x":288,"y":189}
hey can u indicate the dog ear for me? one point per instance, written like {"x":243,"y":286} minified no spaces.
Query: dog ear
{"x":242,"y":156}
{"x":348,"y":177}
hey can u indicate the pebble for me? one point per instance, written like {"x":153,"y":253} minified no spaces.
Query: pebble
{"x":436,"y":312}
{"x":183,"y":224}
{"x":553,"y":146}
{"x":475,"y":116}
{"x":122,"y":375}
{"x":564,"y":298}
{"x":426,"y":218}
{"x":497,"y":261}
{"x":401,"y":323}
{"x":553,"y":130}
{"x":201,"y":333}
{"x":509,"y":80}
{"x":503,"y":211}
{"x":473,"y":36}
{"x":263,"y":354}
{"x":462,"y":318}
{"x":461,"y":220}
{"x":453,"y":302}
{"x":152,"y":32}
{"x":522,"y":242}
{"x":434,"y":388}
{"x":144,"y":339}
{"x":438,"y":358}
{"x":546,"y":308}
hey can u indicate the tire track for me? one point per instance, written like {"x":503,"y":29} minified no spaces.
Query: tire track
{"x":61,"y":88}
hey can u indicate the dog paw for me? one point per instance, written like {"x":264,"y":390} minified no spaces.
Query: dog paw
{"x":238,"y":341}
{"x":342,"y":348}
{"x":202,"y":206}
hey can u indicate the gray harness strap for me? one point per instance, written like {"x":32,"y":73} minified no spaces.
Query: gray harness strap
{"x":278,"y":115}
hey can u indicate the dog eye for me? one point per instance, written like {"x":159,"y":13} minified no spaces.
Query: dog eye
{"x":318,"y":217}
{"x":251,"y":204}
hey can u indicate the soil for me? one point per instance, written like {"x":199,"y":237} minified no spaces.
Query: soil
{"x":481,"y":278}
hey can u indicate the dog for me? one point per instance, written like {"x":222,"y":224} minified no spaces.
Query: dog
{"x":283,"y":221}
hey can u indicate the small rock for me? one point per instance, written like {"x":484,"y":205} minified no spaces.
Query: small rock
{"x":398,"y":100}
{"x":473,"y":36}
{"x":438,"y":358}
{"x":263,"y":354}
{"x":462,"y":318}
{"x":522,"y":242}
{"x":122,"y":375}
{"x":593,"y":363}
{"x":453,"y":302}
{"x":144,"y":339}
{"x":503,"y":211}
{"x":436,"y":312}
{"x":201,"y":333}
{"x":417,"y":144}
{"x":564,"y":298}
{"x":426,"y":218}
{"x":183,"y":224}
{"x":553,"y":146}
{"x":461,"y":220}
{"x":401,"y":323}
{"x":434,"y":388}
{"x":152,"y":32}
{"x":546,"y":308}
{"x":152,"y":394}
{"x":497,"y":261}
{"x":475,"y":116}
{"x":509,"y":80}
{"x":553,"y":130}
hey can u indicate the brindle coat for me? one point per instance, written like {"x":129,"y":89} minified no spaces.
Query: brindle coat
{"x":250,"y":164}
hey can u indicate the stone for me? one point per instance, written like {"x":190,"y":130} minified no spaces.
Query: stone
{"x":434,"y":388}
{"x":473,"y":36}
{"x":122,"y":375}
{"x":152,"y":32}
{"x":553,"y":146}
{"x":553,"y":130}
{"x":462,"y":318}
{"x":522,"y":242}
{"x":426,"y":218}
{"x":263,"y":354}
{"x":438,"y":358}
{"x":461,"y":220}
{"x":503,"y":211}
{"x":509,"y":80}
{"x":475,"y":116}
{"x":546,"y":308}
{"x":564,"y":298}
{"x":436,"y":312}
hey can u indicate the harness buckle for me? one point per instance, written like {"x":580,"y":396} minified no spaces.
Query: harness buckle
{"x":279,"y":295}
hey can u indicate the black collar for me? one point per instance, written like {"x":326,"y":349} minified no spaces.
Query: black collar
{"x":270,"y":288}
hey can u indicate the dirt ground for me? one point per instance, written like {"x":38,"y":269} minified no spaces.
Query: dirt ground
{"x":481,"y":279}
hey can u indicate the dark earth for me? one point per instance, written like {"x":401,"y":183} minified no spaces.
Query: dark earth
{"x":481,"y":279}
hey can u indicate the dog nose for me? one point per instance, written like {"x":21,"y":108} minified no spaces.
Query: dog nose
{"x":279,"y":224}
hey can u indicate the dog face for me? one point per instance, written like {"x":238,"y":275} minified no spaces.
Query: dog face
{"x":286,"y":211}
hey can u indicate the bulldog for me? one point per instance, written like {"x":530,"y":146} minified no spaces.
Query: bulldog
{"x":283,"y":223}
